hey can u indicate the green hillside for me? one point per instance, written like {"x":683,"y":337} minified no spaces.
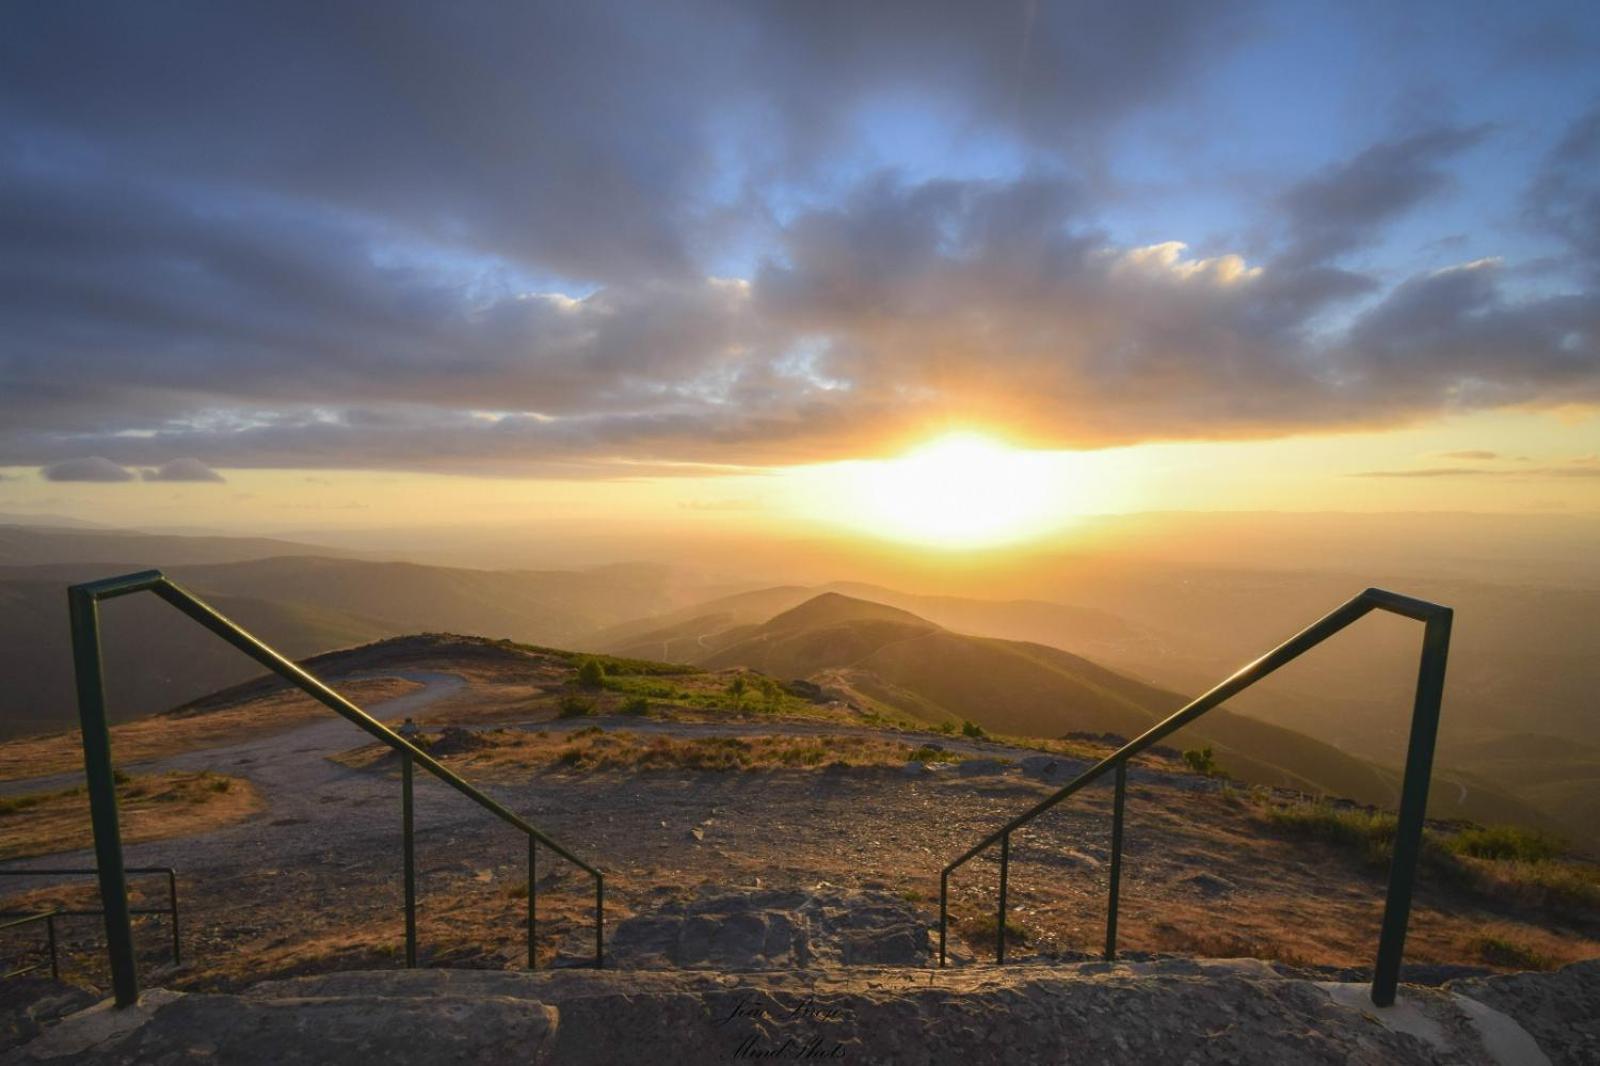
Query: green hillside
{"x":892,"y":657}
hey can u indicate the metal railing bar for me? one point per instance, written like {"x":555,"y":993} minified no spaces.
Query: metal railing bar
{"x":1437,"y":621}
{"x":410,"y":860}
{"x":83,"y":604}
{"x":1117,"y":805}
{"x":236,"y":635}
{"x":169,"y":911}
{"x":49,"y":919}
{"x":1238,"y":682}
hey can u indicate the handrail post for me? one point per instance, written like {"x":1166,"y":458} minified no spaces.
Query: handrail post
{"x":533,"y":913}
{"x":1413,"y":807}
{"x":1116,"y":859}
{"x":599,"y":922}
{"x":944,"y":910}
{"x":172,"y":899}
{"x":410,"y":860}
{"x":101,"y":777}
{"x":1000,"y":923}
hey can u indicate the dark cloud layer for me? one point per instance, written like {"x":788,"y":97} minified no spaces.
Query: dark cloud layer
{"x":92,"y":468}
{"x":500,"y":238}
{"x":182,"y":470}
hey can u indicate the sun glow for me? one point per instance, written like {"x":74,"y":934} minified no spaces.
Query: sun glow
{"x":963,"y":490}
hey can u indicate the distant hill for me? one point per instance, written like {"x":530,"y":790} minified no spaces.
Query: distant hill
{"x":301,"y":604}
{"x":30,"y":545}
{"x":886,"y":655}
{"x":154,"y":657}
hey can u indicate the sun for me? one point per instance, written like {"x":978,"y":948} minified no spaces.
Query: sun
{"x":962,"y":490}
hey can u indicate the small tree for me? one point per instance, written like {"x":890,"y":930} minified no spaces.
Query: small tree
{"x":592,"y":673}
{"x":972,"y":729}
{"x":1201,"y":762}
{"x":737,"y":689}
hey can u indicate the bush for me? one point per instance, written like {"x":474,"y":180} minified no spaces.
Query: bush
{"x":972,"y":729}
{"x":638,"y":705}
{"x":737,"y":689}
{"x":591,"y":673}
{"x":771,"y":693}
{"x":574,"y":706}
{"x":1201,"y":762}
{"x":927,"y":753}
{"x":947,"y":728}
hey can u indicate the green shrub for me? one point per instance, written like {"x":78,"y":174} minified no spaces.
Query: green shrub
{"x":636,"y":706}
{"x":1202,"y":762}
{"x":1506,"y":842}
{"x":932,"y":754}
{"x":948,"y":728}
{"x":737,"y":689}
{"x":572,"y":705}
{"x":591,"y":673}
{"x":972,"y":729}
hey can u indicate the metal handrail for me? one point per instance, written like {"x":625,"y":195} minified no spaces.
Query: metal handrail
{"x":1413,"y":789}
{"x":83,"y":604}
{"x":171,"y":910}
{"x":49,"y":919}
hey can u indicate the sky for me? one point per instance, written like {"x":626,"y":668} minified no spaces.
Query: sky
{"x":952,"y":273}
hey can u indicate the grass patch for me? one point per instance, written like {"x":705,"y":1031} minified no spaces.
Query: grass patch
{"x":1505,"y":952}
{"x":927,"y":753}
{"x":595,"y":749}
{"x":152,"y":806}
{"x":979,"y":933}
{"x":1506,"y":842}
{"x":1504,"y":862}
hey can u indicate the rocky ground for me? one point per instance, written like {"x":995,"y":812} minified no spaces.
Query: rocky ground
{"x":780,"y":871}
{"x":1238,"y":1011}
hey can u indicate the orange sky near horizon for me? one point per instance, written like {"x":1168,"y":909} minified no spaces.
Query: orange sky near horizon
{"x":949,"y":494}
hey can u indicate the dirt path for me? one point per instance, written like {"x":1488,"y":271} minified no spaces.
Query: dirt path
{"x":293,"y":775}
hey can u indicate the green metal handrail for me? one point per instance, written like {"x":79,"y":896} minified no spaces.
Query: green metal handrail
{"x":170,"y":910}
{"x":12,"y":921}
{"x":1413,"y":788}
{"x":83,"y":604}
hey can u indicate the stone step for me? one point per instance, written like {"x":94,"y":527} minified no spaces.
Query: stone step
{"x":1215,"y":1011}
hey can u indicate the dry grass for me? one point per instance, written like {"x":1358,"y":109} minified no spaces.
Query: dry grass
{"x":165,"y":735}
{"x":498,"y":752}
{"x":153,"y":807}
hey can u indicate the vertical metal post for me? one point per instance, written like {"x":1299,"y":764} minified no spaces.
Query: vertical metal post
{"x":1000,"y":921}
{"x":1413,"y":807}
{"x":50,"y":932}
{"x":599,"y":922}
{"x":533,"y":893}
{"x":172,"y":900}
{"x":1116,"y":859}
{"x":410,"y":860}
{"x":944,"y":909}
{"x":85,"y":617}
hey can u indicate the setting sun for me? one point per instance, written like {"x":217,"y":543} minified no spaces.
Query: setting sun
{"x":962,"y":490}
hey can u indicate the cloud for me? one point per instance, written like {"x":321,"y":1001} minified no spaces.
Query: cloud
{"x":182,"y":470}
{"x":93,"y":468}
{"x":1564,"y":198}
{"x":1471,"y":453}
{"x":1344,"y":207}
{"x":1576,"y":470}
{"x":603,"y":239}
